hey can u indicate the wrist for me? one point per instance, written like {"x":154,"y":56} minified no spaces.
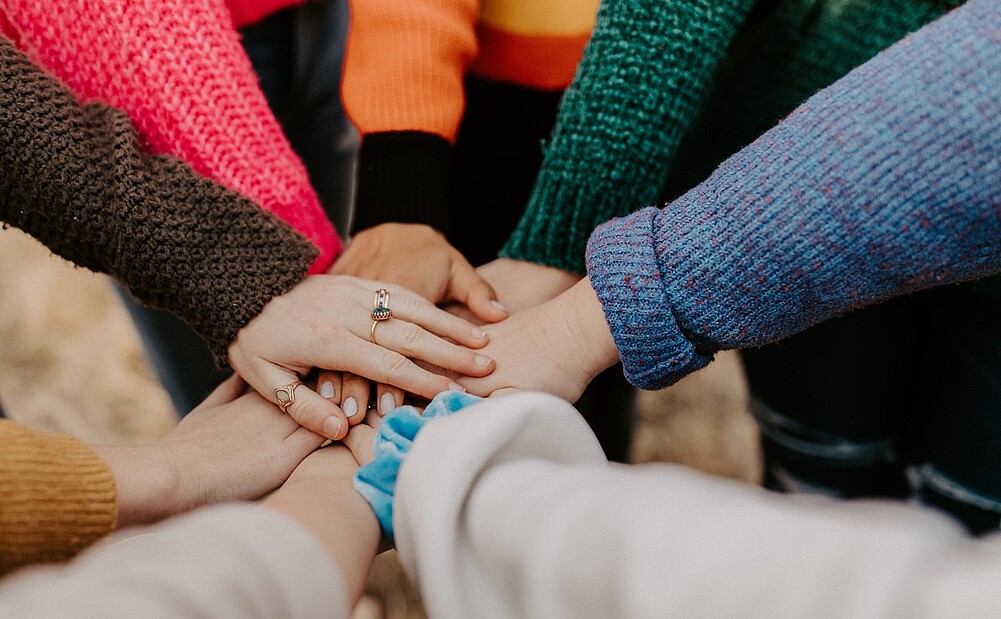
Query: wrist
{"x":147,"y":484}
{"x":586,"y":320}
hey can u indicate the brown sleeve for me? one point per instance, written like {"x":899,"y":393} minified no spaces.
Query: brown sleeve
{"x":74,"y":177}
{"x":56,"y":496}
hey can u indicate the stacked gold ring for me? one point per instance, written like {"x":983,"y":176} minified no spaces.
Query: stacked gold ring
{"x":380,"y":311}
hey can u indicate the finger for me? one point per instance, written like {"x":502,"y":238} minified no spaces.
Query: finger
{"x":417,"y":310}
{"x":361,"y":441}
{"x":373,"y":419}
{"x":308,"y":408}
{"x":355,"y":390}
{"x":412,"y":341}
{"x":504,"y":391}
{"x":328,"y":385}
{"x":388,"y":398}
{"x":474,"y":292}
{"x":226,"y":391}
{"x":378,"y":364}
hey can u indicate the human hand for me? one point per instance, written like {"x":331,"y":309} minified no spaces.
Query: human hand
{"x":520,"y":284}
{"x":232,"y":446}
{"x":419,"y":258}
{"x":558,"y":347}
{"x":325,"y":322}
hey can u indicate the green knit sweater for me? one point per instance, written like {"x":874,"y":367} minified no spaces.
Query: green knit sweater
{"x":669,"y":88}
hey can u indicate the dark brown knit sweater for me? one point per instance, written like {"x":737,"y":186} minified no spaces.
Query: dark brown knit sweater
{"x":74,"y":177}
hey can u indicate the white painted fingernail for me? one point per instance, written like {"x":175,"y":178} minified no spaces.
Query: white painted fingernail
{"x":387,"y":403}
{"x":481,"y":360}
{"x":327,"y":389}
{"x":479,"y":333}
{"x":350,"y":407}
{"x":456,"y":387}
{"x":498,"y":305}
{"x":331,"y":427}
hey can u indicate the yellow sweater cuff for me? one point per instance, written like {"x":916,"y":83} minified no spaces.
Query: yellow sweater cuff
{"x":58,"y":496}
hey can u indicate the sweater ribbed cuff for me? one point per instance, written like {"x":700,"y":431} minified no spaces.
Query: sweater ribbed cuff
{"x":58,"y":497}
{"x":403,"y":177}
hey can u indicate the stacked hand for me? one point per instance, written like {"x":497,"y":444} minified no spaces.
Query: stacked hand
{"x":326,"y":322}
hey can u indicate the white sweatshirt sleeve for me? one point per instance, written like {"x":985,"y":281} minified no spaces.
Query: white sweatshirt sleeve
{"x":230,"y":561}
{"x":509,"y":509}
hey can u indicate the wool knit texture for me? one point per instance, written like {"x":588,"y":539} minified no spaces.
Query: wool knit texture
{"x":58,"y":496}
{"x":887,"y":182}
{"x":652,"y":68}
{"x":74,"y":177}
{"x":246,"y":12}
{"x":403,"y":88}
{"x":177,"y":68}
{"x":782,"y":55}
{"x":640,"y":84}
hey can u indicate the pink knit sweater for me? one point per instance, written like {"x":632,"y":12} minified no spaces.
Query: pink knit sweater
{"x":249,"y":11}
{"x":178,"y":69}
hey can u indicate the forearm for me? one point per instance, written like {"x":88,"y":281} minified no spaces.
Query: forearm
{"x":146,"y":484}
{"x":339,"y":517}
{"x":622,"y":119}
{"x":881,"y":184}
{"x":178,"y":70}
{"x":75,"y":178}
{"x":232,"y":560}
{"x":530,"y":520}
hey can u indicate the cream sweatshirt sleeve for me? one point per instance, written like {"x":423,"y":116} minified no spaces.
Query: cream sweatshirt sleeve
{"x":525,"y":518}
{"x":239,"y":561}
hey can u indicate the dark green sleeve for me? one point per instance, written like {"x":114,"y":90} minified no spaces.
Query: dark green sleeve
{"x":73,"y":177}
{"x":639,"y":86}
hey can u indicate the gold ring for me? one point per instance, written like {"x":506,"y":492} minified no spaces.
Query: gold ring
{"x":380,"y":311}
{"x":380,"y":304}
{"x":286,"y":395}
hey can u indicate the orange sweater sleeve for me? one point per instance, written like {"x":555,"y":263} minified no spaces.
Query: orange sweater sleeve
{"x":405,"y":63}
{"x":56,"y":496}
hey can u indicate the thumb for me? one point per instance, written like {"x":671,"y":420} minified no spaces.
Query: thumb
{"x":475,"y":293}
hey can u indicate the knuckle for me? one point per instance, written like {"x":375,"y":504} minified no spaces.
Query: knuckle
{"x":411,"y":335}
{"x":406,"y":304}
{"x":396,"y":363}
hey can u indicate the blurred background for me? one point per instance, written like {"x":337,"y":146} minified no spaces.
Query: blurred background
{"x":71,"y":361}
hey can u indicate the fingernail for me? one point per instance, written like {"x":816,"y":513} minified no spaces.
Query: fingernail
{"x":386,"y":403}
{"x":481,"y":360}
{"x":498,"y":305}
{"x":331,"y":427}
{"x":456,"y":387}
{"x":350,"y":407}
{"x":479,"y":333}
{"x":327,"y":390}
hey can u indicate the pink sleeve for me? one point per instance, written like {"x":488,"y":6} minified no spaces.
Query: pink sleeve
{"x":178,"y":69}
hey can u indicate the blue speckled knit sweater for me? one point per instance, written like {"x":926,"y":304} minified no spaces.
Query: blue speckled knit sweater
{"x":886,"y":182}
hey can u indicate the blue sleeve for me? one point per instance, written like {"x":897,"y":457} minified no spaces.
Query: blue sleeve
{"x":886,"y":182}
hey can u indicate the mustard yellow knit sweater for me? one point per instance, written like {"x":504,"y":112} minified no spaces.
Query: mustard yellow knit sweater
{"x":56,"y":496}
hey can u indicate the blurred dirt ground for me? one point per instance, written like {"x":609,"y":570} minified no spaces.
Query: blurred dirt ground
{"x":70,"y":361}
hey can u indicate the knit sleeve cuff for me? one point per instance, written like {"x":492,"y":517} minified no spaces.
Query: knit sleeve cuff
{"x":623,"y":270}
{"x":403,"y":177}
{"x":206,"y":254}
{"x":58,"y":497}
